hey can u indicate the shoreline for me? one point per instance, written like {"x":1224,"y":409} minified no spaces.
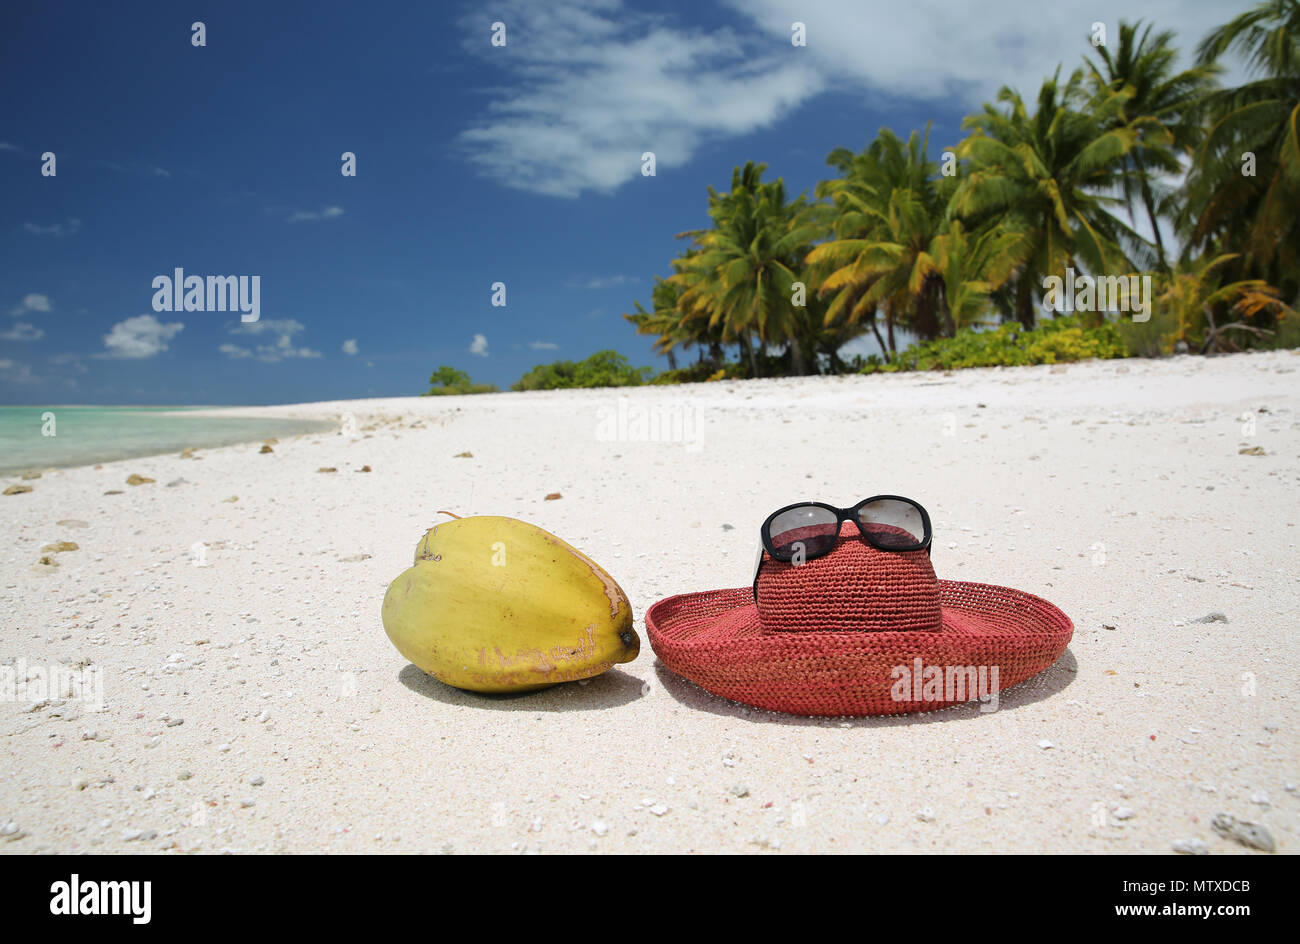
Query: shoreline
{"x":373,"y":412}
{"x":95,"y":435}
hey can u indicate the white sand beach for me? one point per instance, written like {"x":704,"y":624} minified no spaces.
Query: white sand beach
{"x":252,"y":702}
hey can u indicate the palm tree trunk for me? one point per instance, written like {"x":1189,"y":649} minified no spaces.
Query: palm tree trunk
{"x":946,"y":323}
{"x":1025,"y":302}
{"x":889,"y":328}
{"x":875,"y":329}
{"x":749,"y":353}
{"x":925,"y":323}
{"x":797,"y":365}
{"x":1149,"y":200}
{"x":1149,"y":204}
{"x":672,"y":359}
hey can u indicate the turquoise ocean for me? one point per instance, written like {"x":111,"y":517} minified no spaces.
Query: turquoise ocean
{"x":84,"y":435}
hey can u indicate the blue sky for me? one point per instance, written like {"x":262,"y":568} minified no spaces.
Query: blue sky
{"x":475,"y":164}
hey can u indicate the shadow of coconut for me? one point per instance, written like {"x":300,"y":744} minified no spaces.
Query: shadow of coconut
{"x":607,"y":690}
{"x":1055,"y":678}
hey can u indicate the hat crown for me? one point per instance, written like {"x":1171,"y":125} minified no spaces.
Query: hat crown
{"x":854,"y":588}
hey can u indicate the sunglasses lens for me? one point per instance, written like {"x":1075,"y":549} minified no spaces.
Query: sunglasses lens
{"x":808,"y":527}
{"x":892,"y":523}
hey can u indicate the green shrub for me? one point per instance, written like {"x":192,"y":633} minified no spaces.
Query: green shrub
{"x":1288,"y":332}
{"x":701,"y":372}
{"x":602,"y":369}
{"x":449,"y":382}
{"x":1154,"y":337}
{"x":557,"y":376}
{"x":1054,"y":341}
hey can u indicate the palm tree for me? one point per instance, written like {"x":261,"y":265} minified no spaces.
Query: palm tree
{"x":1046,"y":175}
{"x":854,"y":216}
{"x":1196,"y":295}
{"x":1161,"y":104}
{"x":890,"y":211}
{"x":741,"y":278}
{"x":897,"y":247}
{"x":973,"y":266}
{"x":666,"y":321}
{"x":1227,"y":207}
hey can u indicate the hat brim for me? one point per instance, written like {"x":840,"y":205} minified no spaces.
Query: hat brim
{"x":716,"y":640}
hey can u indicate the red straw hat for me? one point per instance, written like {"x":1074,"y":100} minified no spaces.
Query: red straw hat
{"x":857,"y":632}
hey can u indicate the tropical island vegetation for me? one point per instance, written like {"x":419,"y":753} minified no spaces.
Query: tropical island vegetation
{"x":451,"y":381}
{"x":956,"y":249}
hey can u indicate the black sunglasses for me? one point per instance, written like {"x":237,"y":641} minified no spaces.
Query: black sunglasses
{"x":806,"y":530}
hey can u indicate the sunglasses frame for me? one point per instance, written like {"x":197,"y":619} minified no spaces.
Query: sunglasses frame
{"x":848,"y":514}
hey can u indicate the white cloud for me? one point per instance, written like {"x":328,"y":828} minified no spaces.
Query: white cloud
{"x":281,"y":349}
{"x":70,"y":228}
{"x":71,"y":361}
{"x":350,"y":346}
{"x":938,"y":51}
{"x":596,"y":84}
{"x":32,"y":301}
{"x":287,"y":326}
{"x":13,"y":372}
{"x":604,"y":281}
{"x":479,"y":346}
{"x":141,"y":336}
{"x":599,"y":84}
{"x":543,"y":345}
{"x":268,"y":353}
{"x":329,"y":213}
{"x":6,"y":146}
{"x":22,"y":331}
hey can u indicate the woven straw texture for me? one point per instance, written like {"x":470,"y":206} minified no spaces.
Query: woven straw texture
{"x":835,"y":635}
{"x":854,"y":587}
